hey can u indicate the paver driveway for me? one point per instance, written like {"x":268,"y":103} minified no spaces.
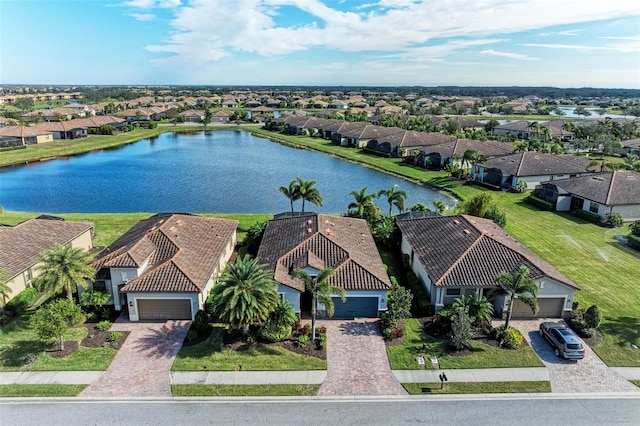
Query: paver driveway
{"x":590,"y":374}
{"x":357,"y":361}
{"x":142,"y":366}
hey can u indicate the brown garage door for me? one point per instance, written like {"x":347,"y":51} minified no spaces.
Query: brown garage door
{"x":156,"y":309}
{"x":549,"y":308}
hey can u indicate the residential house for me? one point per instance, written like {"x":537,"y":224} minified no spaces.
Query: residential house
{"x":403,"y":142}
{"x":192,"y":116}
{"x":23,"y":244}
{"x":530,"y":167}
{"x":631,"y":147}
{"x":520,"y":129}
{"x":455,"y":256}
{"x":26,"y":135}
{"x":313,"y":242}
{"x":601,"y":193}
{"x":437,"y":156}
{"x":165,"y":266}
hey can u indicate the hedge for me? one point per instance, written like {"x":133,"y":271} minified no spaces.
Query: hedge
{"x":18,"y":304}
{"x":588,"y":216}
{"x":485,"y":185}
{"x":539,"y":202}
{"x":633,"y":241}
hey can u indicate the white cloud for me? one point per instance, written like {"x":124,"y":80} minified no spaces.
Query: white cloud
{"x":144,"y":17}
{"x":149,"y":4}
{"x":631,"y":47}
{"x":508,"y":55}
{"x":206,"y":30}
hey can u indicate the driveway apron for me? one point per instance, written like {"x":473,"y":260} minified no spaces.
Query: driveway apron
{"x":590,"y":374}
{"x":357,"y":362}
{"x":142,"y":366}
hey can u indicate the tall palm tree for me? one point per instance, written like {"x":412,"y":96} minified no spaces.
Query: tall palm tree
{"x":363,"y":203}
{"x":245,"y":293}
{"x":439,"y":205}
{"x":5,"y":290}
{"x":321,"y":291}
{"x":517,"y":285}
{"x":307,"y":192}
{"x":64,"y":268}
{"x":291,"y":192}
{"x":395,"y":197}
{"x":467,"y":158}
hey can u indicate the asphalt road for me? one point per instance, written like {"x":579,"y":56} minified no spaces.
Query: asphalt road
{"x":456,"y":410}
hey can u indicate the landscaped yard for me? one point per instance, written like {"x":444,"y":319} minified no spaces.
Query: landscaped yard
{"x":477,"y":387}
{"x":207,"y":356}
{"x":417,"y":343}
{"x":245,"y":390}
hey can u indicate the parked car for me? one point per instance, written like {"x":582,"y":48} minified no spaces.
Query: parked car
{"x":564,"y":341}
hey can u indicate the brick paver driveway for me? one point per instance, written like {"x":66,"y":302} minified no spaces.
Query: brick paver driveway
{"x":357,"y":360}
{"x":142,"y":366}
{"x":590,"y":374}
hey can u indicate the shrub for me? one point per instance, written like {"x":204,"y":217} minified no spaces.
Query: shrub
{"x":498,"y":333}
{"x":512,"y":339}
{"x":321,"y":329}
{"x":578,"y":323}
{"x":18,"y":304}
{"x":612,"y":220}
{"x":539,"y":202}
{"x":303,"y":339}
{"x":321,"y":341}
{"x":191,"y":335}
{"x":633,"y":241}
{"x":497,"y":216}
{"x":274,"y":333}
{"x":521,"y":186}
{"x":104,"y":325}
{"x":588,"y":216}
{"x":68,"y":309}
{"x":592,"y":316}
{"x":635,"y":228}
{"x":461,"y":332}
{"x":306,"y":330}
{"x":201,"y":322}
{"x":114,"y":335}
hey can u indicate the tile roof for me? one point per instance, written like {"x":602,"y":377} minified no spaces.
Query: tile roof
{"x":323,"y":241}
{"x":466,"y":251}
{"x":181,"y":250}
{"x":533,"y":163}
{"x":22,"y":131}
{"x":460,"y":146}
{"x":611,"y":189}
{"x":23,"y":244}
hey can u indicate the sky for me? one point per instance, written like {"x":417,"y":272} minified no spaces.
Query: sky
{"x":560,"y":43}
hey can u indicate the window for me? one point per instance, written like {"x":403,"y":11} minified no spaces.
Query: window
{"x":593,"y":207}
{"x":281,"y":296}
{"x":100,"y":286}
{"x":27,"y":276}
{"x":124,"y":276}
{"x":453,"y":292}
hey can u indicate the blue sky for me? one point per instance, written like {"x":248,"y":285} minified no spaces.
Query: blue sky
{"x":563,"y":43}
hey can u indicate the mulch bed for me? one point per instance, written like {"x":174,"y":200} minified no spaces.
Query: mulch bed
{"x":237,"y":344}
{"x":94,"y":339}
{"x":595,"y":339}
{"x":55,"y":352}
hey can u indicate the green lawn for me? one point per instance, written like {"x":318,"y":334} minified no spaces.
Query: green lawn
{"x":8,"y":391}
{"x":417,"y":343}
{"x":204,"y":356}
{"x":636,"y":382}
{"x":477,"y":387}
{"x":18,"y":342}
{"x":245,"y":390}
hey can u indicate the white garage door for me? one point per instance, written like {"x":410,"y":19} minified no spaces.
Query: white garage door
{"x":157,"y":309}
{"x":549,"y":308}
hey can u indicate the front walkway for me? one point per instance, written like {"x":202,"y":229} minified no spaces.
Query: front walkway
{"x":357,"y":360}
{"x":590,"y":374}
{"x":142,"y":366}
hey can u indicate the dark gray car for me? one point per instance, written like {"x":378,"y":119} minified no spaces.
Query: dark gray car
{"x":564,"y":341}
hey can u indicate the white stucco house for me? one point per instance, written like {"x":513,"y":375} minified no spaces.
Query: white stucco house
{"x":165,"y":266}
{"x":455,"y":256}
{"x":314,"y":242}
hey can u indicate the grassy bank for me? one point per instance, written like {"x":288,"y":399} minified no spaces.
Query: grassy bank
{"x":477,"y":388}
{"x":245,"y":390}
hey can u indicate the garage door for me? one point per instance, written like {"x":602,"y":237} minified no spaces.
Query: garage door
{"x":156,"y":309}
{"x":549,"y":308}
{"x":356,"y":307}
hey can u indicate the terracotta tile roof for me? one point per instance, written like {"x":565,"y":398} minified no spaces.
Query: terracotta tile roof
{"x":181,"y":250}
{"x":611,"y":189}
{"x":411,"y":138}
{"x":533,"y":163}
{"x":23,"y":244}
{"x":22,"y":131}
{"x":466,"y":251}
{"x":323,"y":241}
{"x":459,"y":146}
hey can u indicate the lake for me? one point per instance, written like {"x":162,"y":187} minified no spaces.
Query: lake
{"x":212,"y":171}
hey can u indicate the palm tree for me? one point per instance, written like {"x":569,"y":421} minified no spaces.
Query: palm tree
{"x":5,"y":290}
{"x":440,"y":206}
{"x":64,"y":268}
{"x":291,"y":192}
{"x":307,"y":192}
{"x":479,"y":308}
{"x":395,"y":197}
{"x":632,"y":162}
{"x":516,"y":285}
{"x":363,"y":203}
{"x":321,"y":291}
{"x":245,"y":293}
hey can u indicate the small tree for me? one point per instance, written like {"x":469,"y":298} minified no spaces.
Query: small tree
{"x":461,"y":331}
{"x":52,"y":321}
{"x":398,"y":303}
{"x":592,"y":317}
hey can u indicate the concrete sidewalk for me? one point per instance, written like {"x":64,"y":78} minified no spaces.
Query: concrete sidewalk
{"x":474,"y":375}
{"x":248,"y":377}
{"x":49,"y":377}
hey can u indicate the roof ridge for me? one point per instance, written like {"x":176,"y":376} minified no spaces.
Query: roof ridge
{"x":520,"y":164}
{"x":610,"y":189}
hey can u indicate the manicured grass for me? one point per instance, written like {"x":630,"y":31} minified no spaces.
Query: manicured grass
{"x":205,"y":356}
{"x":18,"y":342}
{"x":417,"y":343}
{"x":245,"y":390}
{"x":636,"y":382}
{"x":477,"y":387}
{"x":8,"y":391}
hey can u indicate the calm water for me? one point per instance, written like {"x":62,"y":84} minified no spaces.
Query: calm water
{"x":216,"y":171}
